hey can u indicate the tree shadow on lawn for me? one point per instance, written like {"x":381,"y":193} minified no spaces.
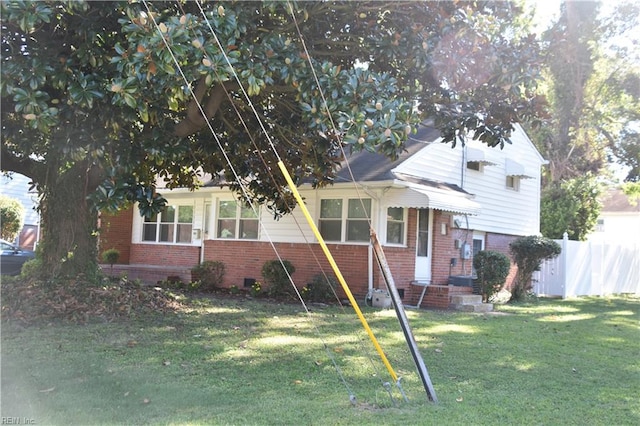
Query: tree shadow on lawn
{"x":238,"y":361}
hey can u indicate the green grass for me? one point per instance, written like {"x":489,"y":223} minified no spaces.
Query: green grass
{"x":245,"y":362}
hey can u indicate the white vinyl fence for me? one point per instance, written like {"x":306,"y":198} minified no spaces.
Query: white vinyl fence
{"x":590,"y":268}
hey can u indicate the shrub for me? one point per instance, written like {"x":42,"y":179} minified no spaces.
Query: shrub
{"x":110,"y":256}
{"x":256,"y":289}
{"x":276,"y":277}
{"x":528,"y":253}
{"x":320,"y":289}
{"x":209,"y":273}
{"x":11,"y":218}
{"x":492,"y":268}
{"x":32,"y":270}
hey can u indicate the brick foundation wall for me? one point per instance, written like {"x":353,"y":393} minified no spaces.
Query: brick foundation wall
{"x":167,"y":255}
{"x":308,"y":260}
{"x":115,"y":232}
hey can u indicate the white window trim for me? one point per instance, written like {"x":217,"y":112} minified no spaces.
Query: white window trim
{"x":405,"y":216}
{"x":175,"y":224}
{"x":516,"y":183}
{"x":344,"y":217}
{"x":213,"y":228}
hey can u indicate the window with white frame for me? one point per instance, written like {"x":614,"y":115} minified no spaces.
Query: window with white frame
{"x":174,"y":225}
{"x":330,"y":222}
{"x":513,"y":183}
{"x":395,"y":225}
{"x":358,"y":220}
{"x":237,"y":221}
{"x":354,"y":221}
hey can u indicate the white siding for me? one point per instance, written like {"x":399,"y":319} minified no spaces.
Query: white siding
{"x":17,"y":187}
{"x":504,"y":210}
{"x":291,"y":228}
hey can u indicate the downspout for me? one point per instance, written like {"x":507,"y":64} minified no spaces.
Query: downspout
{"x":370,"y":247}
{"x":370,"y":270}
{"x":463,"y":165}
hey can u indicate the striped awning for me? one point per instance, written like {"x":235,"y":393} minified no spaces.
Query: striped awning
{"x":435,"y":196}
{"x":478,"y":156}
{"x":515,"y":169}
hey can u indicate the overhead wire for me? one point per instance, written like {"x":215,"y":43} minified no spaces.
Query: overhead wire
{"x":270,"y":141}
{"x":247,"y":196}
{"x":347,"y":164}
{"x":301,"y":204}
{"x":294,"y":190}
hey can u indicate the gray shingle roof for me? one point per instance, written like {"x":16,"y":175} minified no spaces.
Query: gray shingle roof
{"x":370,"y":166}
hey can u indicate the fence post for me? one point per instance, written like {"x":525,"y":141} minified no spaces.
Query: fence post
{"x":564,"y":263}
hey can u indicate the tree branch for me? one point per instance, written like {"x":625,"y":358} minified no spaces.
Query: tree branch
{"x":210,"y":104}
{"x":24,"y":166}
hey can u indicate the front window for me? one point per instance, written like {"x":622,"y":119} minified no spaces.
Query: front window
{"x":331,"y":219}
{"x":354,"y":221}
{"x":174,"y":224}
{"x":237,"y":221}
{"x":395,"y":225}
{"x":358,"y":220}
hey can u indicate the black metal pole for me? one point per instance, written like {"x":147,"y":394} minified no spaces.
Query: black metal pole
{"x":402,"y":318}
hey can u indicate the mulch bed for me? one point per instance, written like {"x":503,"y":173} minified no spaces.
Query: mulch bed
{"x":80,"y":301}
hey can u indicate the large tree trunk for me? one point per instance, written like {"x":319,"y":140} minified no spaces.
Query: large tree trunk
{"x":68,"y":224}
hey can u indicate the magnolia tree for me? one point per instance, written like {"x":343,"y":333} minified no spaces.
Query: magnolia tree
{"x":101,"y":98}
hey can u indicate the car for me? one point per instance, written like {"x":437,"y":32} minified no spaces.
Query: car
{"x":13,"y":257}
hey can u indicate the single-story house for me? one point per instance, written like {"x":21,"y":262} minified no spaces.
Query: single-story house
{"x":432,"y":209}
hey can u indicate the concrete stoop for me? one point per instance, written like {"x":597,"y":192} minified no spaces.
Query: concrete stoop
{"x":470,"y":303}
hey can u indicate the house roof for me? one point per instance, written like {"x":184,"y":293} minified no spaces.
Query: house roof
{"x":614,"y":200}
{"x":372,"y":166}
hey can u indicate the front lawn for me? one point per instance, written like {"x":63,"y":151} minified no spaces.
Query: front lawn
{"x":241,"y":361}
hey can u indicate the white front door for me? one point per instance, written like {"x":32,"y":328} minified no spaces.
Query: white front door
{"x":423,"y":245}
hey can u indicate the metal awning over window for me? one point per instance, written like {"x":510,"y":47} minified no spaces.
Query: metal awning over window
{"x":515,"y":169}
{"x":436,"y":196}
{"x":478,"y":156}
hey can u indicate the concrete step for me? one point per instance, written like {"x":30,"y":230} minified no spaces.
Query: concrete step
{"x":466,"y":299}
{"x":480,"y":307}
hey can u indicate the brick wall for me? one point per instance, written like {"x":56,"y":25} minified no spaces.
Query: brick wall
{"x":308,"y":260}
{"x":500,"y":243}
{"x":166,"y":255}
{"x":115,"y":232}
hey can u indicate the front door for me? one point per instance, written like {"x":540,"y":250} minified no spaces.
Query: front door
{"x":423,"y":246}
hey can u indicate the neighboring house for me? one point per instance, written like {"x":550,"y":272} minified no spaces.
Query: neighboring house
{"x":17,"y":186}
{"x":619,"y":219}
{"x":431,"y":209}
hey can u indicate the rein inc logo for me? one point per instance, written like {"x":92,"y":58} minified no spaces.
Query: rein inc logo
{"x":17,"y":421}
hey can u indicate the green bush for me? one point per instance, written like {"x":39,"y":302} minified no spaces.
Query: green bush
{"x":528,"y":253}
{"x":11,"y":218}
{"x":111,"y":256}
{"x":256,"y":289}
{"x":492,"y":268}
{"x":209,"y":273}
{"x":276,"y":277}
{"x":32,"y":270}
{"x":320,"y":289}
